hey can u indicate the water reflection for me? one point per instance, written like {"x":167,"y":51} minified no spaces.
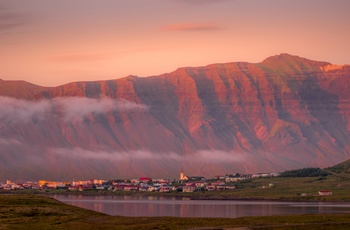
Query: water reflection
{"x":184,"y":207}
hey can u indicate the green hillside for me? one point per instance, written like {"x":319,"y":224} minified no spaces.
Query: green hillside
{"x":343,"y":167}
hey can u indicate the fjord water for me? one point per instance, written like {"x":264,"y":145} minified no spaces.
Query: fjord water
{"x":184,"y":207}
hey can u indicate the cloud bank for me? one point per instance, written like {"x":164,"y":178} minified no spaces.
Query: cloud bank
{"x":214,"y":156}
{"x":68,"y":108}
{"x":22,"y":111}
{"x":10,"y":19}
{"x":77,"y":108}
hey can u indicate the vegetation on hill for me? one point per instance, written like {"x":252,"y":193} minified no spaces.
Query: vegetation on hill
{"x":343,"y":167}
{"x":305,"y":172}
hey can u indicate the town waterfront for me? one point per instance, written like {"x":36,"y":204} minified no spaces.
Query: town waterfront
{"x":134,"y":206}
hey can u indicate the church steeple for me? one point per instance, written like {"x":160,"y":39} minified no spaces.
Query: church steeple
{"x":182,"y":176}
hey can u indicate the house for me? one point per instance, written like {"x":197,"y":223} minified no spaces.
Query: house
{"x":119,"y":187}
{"x":85,"y":187}
{"x":61,"y":186}
{"x":135,"y":181}
{"x":100,"y":187}
{"x":7,"y":187}
{"x":98,"y":182}
{"x":143,"y":188}
{"x":188,"y":188}
{"x":76,"y":183}
{"x":211,"y":187}
{"x":201,"y":184}
{"x":275,"y":174}
{"x":234,"y":179}
{"x":73,"y":188}
{"x":220,"y":187}
{"x":218,"y":183}
{"x":36,"y":187}
{"x":325,"y":193}
{"x":219,"y":177}
{"x":161,"y":181}
{"x":230,"y":187}
{"x":165,"y":189}
{"x":256,"y":175}
{"x":131,"y":188}
{"x":177,"y":188}
{"x":153,"y":188}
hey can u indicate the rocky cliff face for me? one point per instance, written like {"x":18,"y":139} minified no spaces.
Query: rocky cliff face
{"x":285,"y":112}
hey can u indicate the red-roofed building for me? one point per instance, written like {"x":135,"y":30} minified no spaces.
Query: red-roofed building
{"x":325,"y":193}
{"x":145,"y":179}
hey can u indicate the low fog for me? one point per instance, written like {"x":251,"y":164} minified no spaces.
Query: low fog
{"x":71,"y":108}
{"x":56,"y":158}
{"x":216,"y":156}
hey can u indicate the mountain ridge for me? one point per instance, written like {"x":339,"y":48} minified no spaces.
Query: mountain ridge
{"x":219,"y":118}
{"x":279,"y":57}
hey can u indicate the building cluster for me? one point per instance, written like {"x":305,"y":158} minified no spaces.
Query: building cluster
{"x":9,"y":185}
{"x":146,"y":184}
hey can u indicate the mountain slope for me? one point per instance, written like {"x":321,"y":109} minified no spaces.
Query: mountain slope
{"x":285,"y":112}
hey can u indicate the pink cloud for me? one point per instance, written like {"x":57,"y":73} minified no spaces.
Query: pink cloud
{"x":192,"y":27}
{"x":10,"y":19}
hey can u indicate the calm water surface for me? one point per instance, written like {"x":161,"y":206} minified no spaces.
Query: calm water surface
{"x":184,"y":207}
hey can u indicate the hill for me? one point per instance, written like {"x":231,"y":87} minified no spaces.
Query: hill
{"x":284,"y":113}
{"x":343,"y":167}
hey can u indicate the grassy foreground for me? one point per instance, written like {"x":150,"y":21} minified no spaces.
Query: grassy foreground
{"x":38,"y":212}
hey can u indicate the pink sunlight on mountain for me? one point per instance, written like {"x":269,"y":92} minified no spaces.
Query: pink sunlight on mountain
{"x":55,"y":42}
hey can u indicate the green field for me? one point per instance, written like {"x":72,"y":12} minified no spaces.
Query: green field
{"x":22,"y":211}
{"x":290,"y":188}
{"x":285,"y":188}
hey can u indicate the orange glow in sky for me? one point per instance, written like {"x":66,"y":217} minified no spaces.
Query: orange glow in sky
{"x":50,"y":42}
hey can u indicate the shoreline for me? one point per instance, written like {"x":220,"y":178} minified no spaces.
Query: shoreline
{"x":29,"y":211}
{"x":189,"y":196}
{"x":207,"y":195}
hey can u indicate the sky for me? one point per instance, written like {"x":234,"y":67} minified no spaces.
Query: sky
{"x":49,"y":42}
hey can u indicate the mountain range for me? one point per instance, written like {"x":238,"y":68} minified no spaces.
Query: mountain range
{"x":283,"y":113}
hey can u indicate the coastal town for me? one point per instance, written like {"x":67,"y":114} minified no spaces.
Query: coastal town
{"x":142,"y":184}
